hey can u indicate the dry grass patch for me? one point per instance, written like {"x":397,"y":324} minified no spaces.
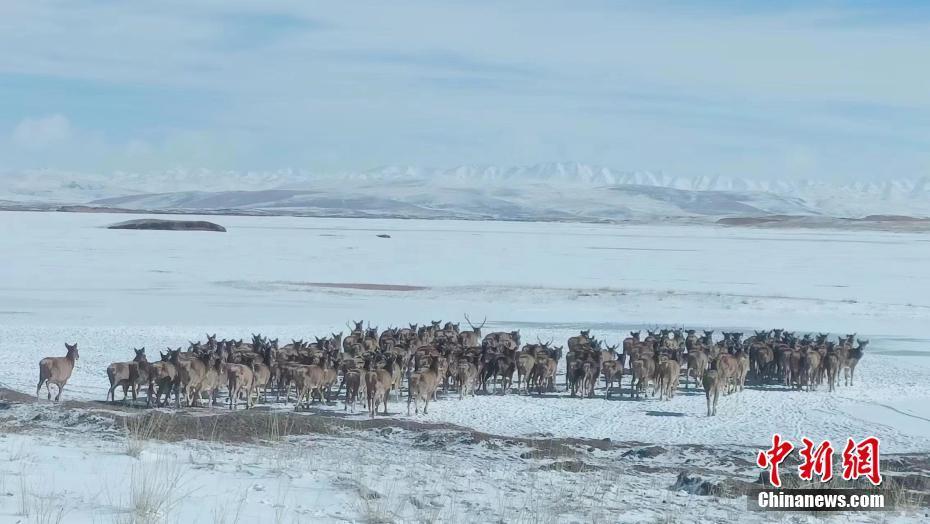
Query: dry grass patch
{"x":141,"y":429}
{"x":155,"y":491}
{"x":39,"y":508}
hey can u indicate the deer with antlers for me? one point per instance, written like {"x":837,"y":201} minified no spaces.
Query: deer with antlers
{"x":472,"y":338}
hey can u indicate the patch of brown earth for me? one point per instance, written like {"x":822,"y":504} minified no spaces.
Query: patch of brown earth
{"x":367,"y":287}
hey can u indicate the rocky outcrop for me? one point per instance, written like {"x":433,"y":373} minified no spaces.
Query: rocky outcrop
{"x":168,"y":225}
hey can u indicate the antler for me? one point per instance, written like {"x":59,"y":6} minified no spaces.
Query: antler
{"x":483,"y":322}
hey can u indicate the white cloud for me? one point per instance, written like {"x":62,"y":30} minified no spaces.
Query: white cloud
{"x":42,"y":132}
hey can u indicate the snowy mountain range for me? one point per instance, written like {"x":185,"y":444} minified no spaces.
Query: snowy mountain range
{"x":551,"y":191}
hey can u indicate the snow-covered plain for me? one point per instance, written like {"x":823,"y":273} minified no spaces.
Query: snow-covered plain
{"x":66,"y":278}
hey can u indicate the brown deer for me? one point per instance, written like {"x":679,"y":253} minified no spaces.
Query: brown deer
{"x":308,"y":379}
{"x":466,"y":377}
{"x":831,"y":366}
{"x":667,"y":374}
{"x":127,"y":375}
{"x":240,"y":380}
{"x":214,"y":377}
{"x":853,"y":356}
{"x":629,"y":343}
{"x":643,"y":370}
{"x":353,"y":383}
{"x":472,"y":338}
{"x":612,"y":370}
{"x":743,"y":360}
{"x":378,"y":384}
{"x":57,"y":370}
{"x":712,"y":385}
{"x":810,"y":366}
{"x":421,"y":386}
{"x":697,"y":364}
{"x":262,"y":369}
{"x":330,"y":375}
{"x":525,"y":363}
{"x":504,"y":368}
{"x":592,"y":370}
{"x":190,"y":372}
{"x":728,"y":371}
{"x":163,"y":378}
{"x":543,"y":373}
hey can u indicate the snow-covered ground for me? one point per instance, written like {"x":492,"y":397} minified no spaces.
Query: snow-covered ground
{"x":86,"y":473}
{"x":66,"y":278}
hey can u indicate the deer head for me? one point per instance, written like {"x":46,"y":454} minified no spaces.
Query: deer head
{"x":476,"y":330}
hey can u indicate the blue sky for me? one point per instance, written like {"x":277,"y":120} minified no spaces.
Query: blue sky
{"x":835,"y":90}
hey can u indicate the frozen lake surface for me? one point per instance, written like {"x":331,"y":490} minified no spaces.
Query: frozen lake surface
{"x":67,"y":278}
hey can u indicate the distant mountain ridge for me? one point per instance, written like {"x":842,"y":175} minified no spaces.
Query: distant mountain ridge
{"x":549,"y":191}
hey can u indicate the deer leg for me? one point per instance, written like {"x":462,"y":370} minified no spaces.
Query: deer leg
{"x":58,"y":396}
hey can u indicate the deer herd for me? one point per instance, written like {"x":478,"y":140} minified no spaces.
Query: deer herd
{"x":367,"y":366}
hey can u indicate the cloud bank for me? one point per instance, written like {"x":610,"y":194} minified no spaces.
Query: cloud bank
{"x":832,"y":90}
